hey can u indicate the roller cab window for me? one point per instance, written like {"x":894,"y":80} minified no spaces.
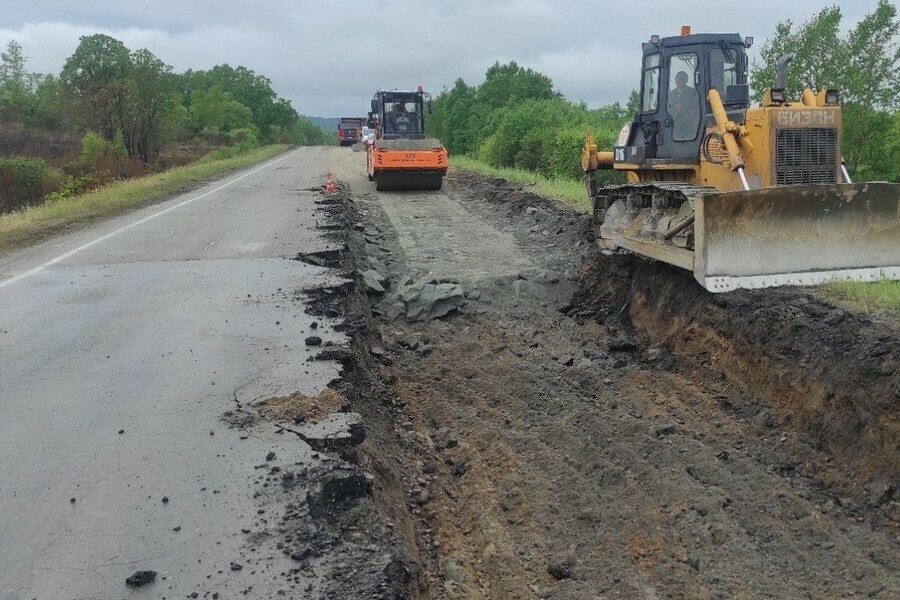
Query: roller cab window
{"x":402,"y":118}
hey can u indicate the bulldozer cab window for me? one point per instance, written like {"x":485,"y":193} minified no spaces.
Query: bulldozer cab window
{"x":683,"y":102}
{"x":650,"y":94}
{"x":723,"y":69}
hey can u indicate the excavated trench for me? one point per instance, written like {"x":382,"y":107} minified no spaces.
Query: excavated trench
{"x":818,"y":369}
{"x":596,"y":426}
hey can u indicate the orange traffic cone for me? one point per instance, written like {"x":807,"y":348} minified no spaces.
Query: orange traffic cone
{"x":329,"y":185}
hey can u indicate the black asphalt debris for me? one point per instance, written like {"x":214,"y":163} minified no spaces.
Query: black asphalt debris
{"x":140,"y":578}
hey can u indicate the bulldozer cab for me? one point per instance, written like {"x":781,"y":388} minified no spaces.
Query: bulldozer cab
{"x":677,"y":74}
{"x":400,"y":114}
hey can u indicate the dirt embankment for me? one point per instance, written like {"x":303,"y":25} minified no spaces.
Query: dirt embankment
{"x":591,"y":426}
{"x":819,"y":370}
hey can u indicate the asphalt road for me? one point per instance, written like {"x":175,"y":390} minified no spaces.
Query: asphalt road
{"x":154,"y":323}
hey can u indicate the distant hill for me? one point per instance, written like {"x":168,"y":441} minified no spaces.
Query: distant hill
{"x":326,"y":124}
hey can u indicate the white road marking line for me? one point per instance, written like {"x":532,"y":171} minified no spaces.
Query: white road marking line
{"x":103,"y":238}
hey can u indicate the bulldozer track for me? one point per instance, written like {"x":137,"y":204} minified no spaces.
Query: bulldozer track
{"x":676,"y":193}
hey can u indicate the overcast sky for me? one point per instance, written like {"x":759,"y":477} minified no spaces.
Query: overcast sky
{"x":328,"y":56}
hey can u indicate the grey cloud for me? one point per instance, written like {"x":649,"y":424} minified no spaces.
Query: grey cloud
{"x":328,"y":56}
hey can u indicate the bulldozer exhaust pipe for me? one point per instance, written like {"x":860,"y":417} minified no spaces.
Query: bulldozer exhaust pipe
{"x":781,"y":71}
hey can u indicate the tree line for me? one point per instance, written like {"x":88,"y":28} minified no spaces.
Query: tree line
{"x":125,"y":107}
{"x":106,"y":88}
{"x":516,"y":119}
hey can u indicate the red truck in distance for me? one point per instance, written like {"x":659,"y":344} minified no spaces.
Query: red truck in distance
{"x":349,"y":129}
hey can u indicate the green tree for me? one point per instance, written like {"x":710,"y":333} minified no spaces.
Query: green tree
{"x":634,"y":102}
{"x":303,"y":133}
{"x":871,"y":77}
{"x":216,"y":109}
{"x":95,"y":80}
{"x":268,"y":112}
{"x":509,"y":83}
{"x":25,"y":96}
{"x":460,"y":118}
{"x":49,"y":110}
{"x":891,"y":150}
{"x":515,"y":119}
{"x":16,"y":83}
{"x":151,"y":99}
{"x":818,"y":54}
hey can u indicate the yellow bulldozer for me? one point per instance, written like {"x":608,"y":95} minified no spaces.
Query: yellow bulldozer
{"x":745,"y":197}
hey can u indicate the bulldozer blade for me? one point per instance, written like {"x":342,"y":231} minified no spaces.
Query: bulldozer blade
{"x":797,"y":235}
{"x":408,"y":180}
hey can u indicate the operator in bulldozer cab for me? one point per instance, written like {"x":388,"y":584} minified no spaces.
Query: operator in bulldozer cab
{"x":684,"y":108}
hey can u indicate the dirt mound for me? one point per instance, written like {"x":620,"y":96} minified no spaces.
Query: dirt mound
{"x":300,"y":408}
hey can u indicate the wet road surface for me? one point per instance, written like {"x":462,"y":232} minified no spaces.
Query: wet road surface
{"x":121,"y":346}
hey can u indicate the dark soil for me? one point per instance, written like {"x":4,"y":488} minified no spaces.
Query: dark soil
{"x":601,"y":427}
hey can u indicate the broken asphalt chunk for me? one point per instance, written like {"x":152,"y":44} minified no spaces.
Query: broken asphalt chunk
{"x":336,"y":430}
{"x":374,"y":281}
{"x":426,"y":299}
{"x":140,"y":578}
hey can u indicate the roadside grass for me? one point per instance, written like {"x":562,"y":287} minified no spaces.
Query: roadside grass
{"x":881,"y":298}
{"x":27,"y":227}
{"x":568,"y":191}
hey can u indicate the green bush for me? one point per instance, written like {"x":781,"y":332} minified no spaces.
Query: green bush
{"x":93,"y":148}
{"x":26,"y":181}
{"x":244,"y":138}
{"x":489,"y":151}
{"x":117,"y":146}
{"x":71,"y":186}
{"x":563,"y":157}
{"x":532,"y":151}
